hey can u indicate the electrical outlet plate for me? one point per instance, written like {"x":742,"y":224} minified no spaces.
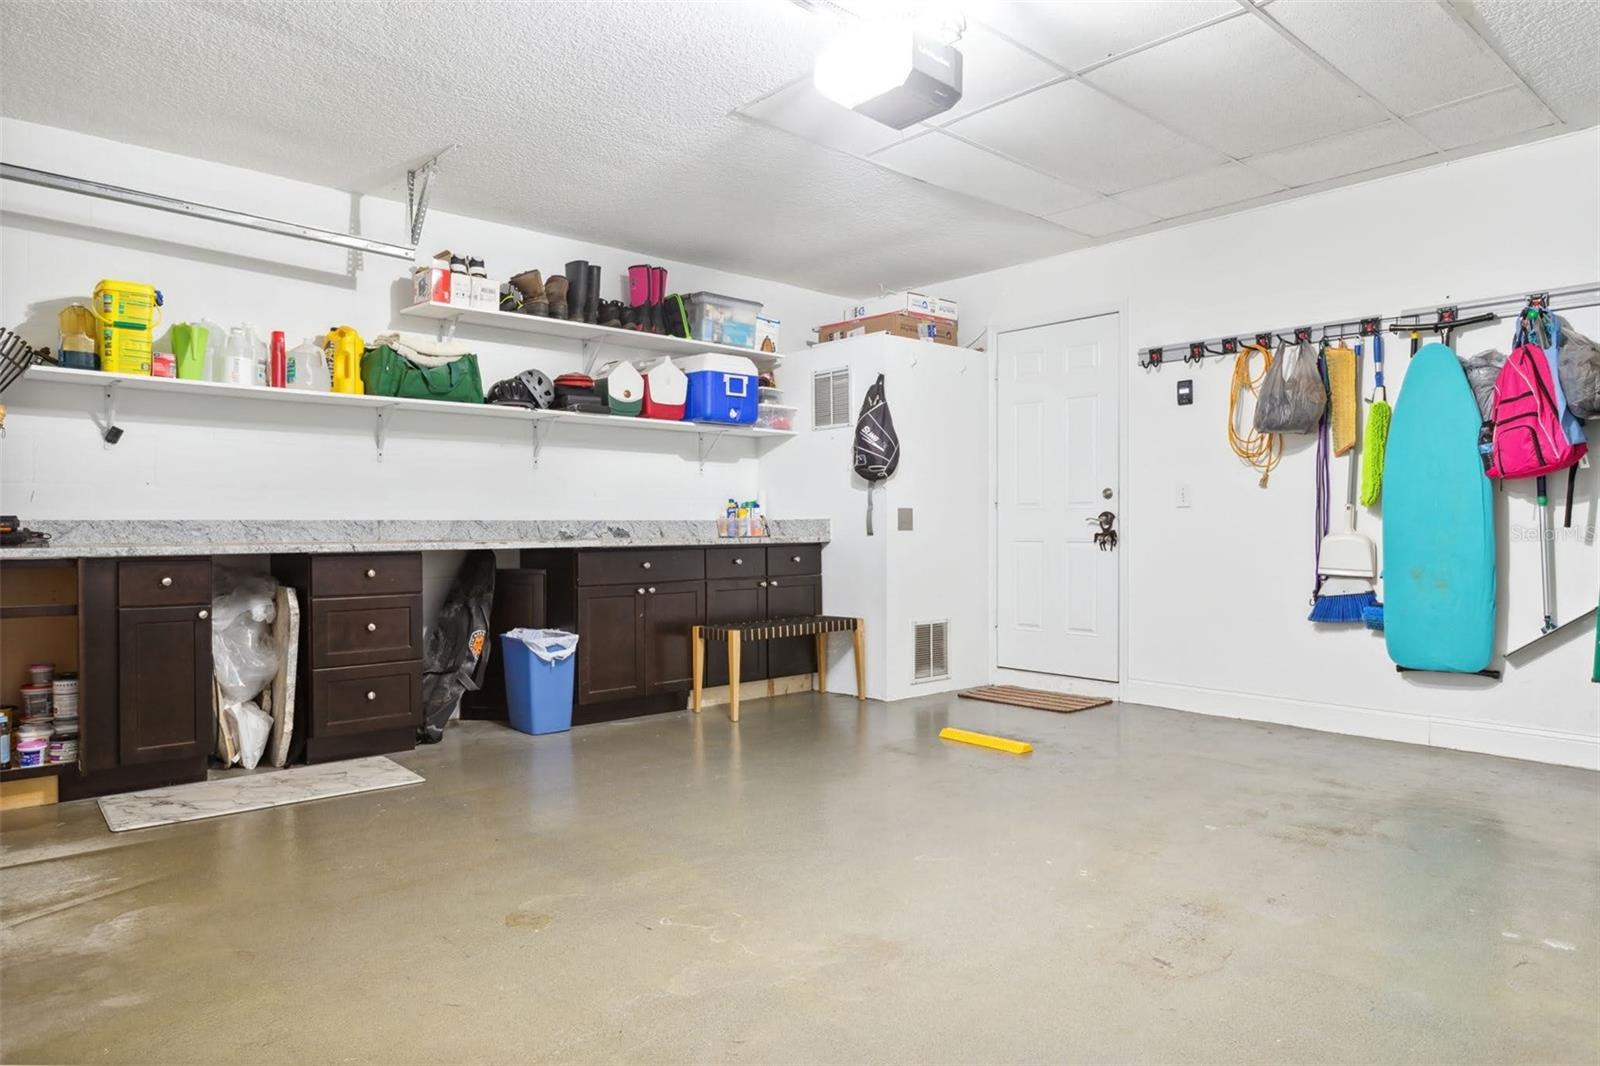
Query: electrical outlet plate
{"x":1185,"y":497}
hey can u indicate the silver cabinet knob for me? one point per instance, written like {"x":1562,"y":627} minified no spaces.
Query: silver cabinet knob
{"x":763,"y":584}
{"x":372,"y":627}
{"x":166,"y":582}
{"x":372,"y":573}
{"x":774,"y":581}
{"x":738,"y":562}
{"x":371,"y":695}
{"x":645,"y":564}
{"x":651,"y":590}
{"x":203,"y":615}
{"x":639,"y":590}
{"x":794,"y":558}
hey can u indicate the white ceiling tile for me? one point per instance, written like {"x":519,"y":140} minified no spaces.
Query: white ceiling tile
{"x":1238,"y":86}
{"x":1409,"y":56}
{"x":1341,"y":154}
{"x":1103,"y":218}
{"x":1084,"y":138}
{"x":941,"y":160}
{"x":992,"y":68}
{"x":1555,"y":45}
{"x":799,"y":109}
{"x":1498,"y":114}
{"x":1081,"y":34}
{"x":1200,"y":192}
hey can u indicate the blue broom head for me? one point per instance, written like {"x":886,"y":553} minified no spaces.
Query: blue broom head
{"x":1372,"y":617}
{"x":1342,"y":610}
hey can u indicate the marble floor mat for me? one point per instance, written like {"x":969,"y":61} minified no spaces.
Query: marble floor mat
{"x":252,"y":792}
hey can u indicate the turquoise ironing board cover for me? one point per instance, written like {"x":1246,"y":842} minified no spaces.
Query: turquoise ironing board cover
{"x":1438,"y":523}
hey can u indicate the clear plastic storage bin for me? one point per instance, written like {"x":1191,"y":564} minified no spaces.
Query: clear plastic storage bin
{"x":723,"y":319}
{"x":775,"y":416}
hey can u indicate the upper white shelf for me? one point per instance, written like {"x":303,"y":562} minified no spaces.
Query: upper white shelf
{"x":583,"y":331}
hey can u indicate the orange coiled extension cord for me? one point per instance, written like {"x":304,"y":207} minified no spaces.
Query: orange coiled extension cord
{"x":1260,"y":451}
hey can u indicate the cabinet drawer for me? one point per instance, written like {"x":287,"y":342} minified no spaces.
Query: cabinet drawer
{"x":794,"y":559}
{"x":365,"y":629}
{"x":621,"y":567}
{"x":365,"y":699}
{"x":365,"y":575}
{"x":164,"y":583}
{"x":736,"y":562}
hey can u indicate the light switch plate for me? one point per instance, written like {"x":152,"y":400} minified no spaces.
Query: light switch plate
{"x":903,"y":520}
{"x":1184,"y":497}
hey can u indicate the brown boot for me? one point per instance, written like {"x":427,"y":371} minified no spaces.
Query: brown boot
{"x":555,"y":292}
{"x":534,"y":297}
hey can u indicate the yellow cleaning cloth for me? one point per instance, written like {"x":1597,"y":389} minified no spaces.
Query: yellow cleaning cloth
{"x":1341,"y":363}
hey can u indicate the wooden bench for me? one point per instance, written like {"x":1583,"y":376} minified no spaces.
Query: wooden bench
{"x":735,"y":633}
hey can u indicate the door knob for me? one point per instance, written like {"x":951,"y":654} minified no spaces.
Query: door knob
{"x":203,"y":615}
{"x":372,"y":573}
{"x":372,"y":627}
{"x":1106,"y":493}
{"x":166,"y":582}
{"x":371,"y":695}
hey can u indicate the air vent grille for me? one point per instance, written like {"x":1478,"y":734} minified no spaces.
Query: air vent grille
{"x":830,"y":398}
{"x":931,"y":651}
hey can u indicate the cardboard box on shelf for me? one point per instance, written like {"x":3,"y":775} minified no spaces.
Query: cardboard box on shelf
{"x":911,"y":303}
{"x":900,"y":324}
{"x":432,"y":285}
{"x":485,"y":294}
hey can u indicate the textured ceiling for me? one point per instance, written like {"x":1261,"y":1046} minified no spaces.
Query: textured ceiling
{"x":690,"y":130}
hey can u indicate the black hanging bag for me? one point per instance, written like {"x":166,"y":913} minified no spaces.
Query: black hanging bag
{"x":877,"y":446}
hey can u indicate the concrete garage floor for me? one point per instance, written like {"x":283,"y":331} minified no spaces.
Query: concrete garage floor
{"x":829,"y":883}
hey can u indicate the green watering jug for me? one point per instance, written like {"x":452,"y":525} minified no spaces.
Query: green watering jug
{"x":189,"y":347}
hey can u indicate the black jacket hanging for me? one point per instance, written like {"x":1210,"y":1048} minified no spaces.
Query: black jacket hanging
{"x":877,"y":447}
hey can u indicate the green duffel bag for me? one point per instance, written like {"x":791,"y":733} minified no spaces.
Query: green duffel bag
{"x":385,"y":372}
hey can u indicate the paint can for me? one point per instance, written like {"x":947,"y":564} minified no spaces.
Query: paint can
{"x":32,"y":752}
{"x":35,"y":702}
{"x":42,"y":673}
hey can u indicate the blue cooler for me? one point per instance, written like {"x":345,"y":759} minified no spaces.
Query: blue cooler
{"x":539,"y":679}
{"x":722,"y":388}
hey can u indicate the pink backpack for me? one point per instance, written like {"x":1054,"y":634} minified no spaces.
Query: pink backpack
{"x":1528,"y":438}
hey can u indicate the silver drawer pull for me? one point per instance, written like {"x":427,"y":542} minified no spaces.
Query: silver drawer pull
{"x":374,"y":573}
{"x":645,"y":564}
{"x":166,"y":582}
{"x":738,"y":562}
{"x":372,"y":695}
{"x":203,"y":615}
{"x":794,"y":558}
{"x":372,"y":627}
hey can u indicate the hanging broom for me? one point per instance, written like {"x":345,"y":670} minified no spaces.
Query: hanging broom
{"x":1377,"y":431}
{"x":1347,"y":562}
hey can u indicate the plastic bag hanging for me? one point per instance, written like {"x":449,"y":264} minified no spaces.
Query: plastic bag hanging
{"x":877,"y":447}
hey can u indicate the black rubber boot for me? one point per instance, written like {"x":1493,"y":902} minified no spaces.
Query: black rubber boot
{"x":591,"y":309}
{"x":577,"y":289}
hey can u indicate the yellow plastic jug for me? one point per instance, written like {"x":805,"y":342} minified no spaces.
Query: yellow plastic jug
{"x":127,"y":313}
{"x":343,"y":349}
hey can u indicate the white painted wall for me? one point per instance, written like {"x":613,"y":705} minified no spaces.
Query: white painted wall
{"x":895,"y":578}
{"x":240,"y":461}
{"x":1216,"y":595}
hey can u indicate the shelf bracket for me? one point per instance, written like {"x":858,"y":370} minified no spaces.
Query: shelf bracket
{"x":707,"y":447}
{"x":110,"y":432}
{"x":447,"y":328}
{"x":419,"y":185}
{"x":380,"y":429}
{"x":591,"y":353}
{"x":539,"y":432}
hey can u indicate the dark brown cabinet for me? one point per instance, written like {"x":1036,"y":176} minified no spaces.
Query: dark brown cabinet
{"x":164,"y":682}
{"x":788,"y":597}
{"x":669,"y":612}
{"x":737,"y":600}
{"x":610,"y":642}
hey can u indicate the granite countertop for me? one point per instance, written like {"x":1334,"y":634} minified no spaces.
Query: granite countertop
{"x":100,"y":538}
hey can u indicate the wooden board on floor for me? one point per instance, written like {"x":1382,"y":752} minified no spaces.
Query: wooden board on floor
{"x":1037,"y":699}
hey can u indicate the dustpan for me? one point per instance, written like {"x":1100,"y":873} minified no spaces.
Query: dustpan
{"x":1349,"y":554}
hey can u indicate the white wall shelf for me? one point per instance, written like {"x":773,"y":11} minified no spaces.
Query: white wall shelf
{"x":593,"y":338}
{"x":381,"y":408}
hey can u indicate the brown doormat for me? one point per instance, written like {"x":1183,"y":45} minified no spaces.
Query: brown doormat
{"x":1032,"y":697}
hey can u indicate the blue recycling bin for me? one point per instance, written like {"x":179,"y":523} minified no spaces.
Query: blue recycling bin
{"x":539,"y":666}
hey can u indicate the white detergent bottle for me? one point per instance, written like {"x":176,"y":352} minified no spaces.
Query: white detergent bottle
{"x":241,"y":359}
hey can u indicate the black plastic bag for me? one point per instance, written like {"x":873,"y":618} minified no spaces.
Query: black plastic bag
{"x":458,"y":648}
{"x":877,"y":447}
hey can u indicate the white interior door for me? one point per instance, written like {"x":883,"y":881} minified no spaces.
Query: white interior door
{"x":1057,"y":435}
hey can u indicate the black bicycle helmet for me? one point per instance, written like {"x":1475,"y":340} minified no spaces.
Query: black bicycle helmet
{"x":530,"y":389}
{"x":539,"y":387}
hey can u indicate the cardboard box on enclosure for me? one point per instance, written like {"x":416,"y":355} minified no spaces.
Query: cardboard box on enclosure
{"x":900,"y":324}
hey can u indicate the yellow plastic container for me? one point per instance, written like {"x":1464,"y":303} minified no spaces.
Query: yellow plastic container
{"x":127,"y":313}
{"x":343,"y":347}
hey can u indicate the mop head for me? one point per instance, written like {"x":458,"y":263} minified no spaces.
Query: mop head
{"x":1372,"y":453}
{"x":1341,"y":363}
{"x":1342,"y":601}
